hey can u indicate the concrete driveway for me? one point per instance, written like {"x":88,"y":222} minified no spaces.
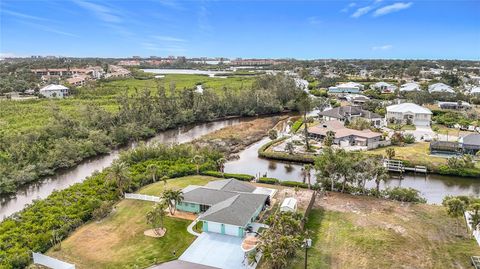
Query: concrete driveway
{"x":217,"y":250}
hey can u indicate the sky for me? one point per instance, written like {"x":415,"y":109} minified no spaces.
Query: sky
{"x":248,"y":29}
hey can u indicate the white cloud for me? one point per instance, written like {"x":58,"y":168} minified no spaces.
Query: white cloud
{"x":104,"y":13}
{"x":382,"y":48}
{"x":314,"y":20}
{"x":361,"y":11}
{"x":345,"y":9}
{"x":169,"y":38}
{"x":392,"y":8}
{"x":23,"y":15}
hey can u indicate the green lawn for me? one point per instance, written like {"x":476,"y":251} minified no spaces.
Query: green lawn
{"x":404,"y":127}
{"x":386,"y":236}
{"x":118,"y":241}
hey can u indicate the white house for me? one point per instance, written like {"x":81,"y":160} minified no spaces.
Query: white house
{"x":410,"y":87}
{"x":414,"y":113}
{"x":384,"y":87}
{"x":54,"y":91}
{"x":289,"y":205}
{"x":475,"y":91}
{"x":349,"y":87}
{"x":440,"y":87}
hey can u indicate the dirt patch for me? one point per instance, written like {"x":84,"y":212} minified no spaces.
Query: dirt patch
{"x":183,"y":215}
{"x":156,"y":233}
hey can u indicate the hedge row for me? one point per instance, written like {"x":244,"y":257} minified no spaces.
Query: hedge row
{"x":294,"y":184}
{"x":242,"y":177}
{"x":300,"y":158}
{"x":268,"y":180}
{"x":463,"y":172}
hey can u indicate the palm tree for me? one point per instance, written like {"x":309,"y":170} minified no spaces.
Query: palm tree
{"x":289,"y":147}
{"x":308,"y":168}
{"x":379,"y":174}
{"x":118,"y":175}
{"x":156,"y":216}
{"x":164,"y":179}
{"x":272,"y":134}
{"x":221,"y":165}
{"x":197,"y":160}
{"x":304,"y":104}
{"x":390,"y":153}
{"x":153,"y":170}
{"x":173,"y":197}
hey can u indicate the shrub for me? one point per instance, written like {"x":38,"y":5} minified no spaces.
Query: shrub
{"x":296,"y":125}
{"x":463,"y":172}
{"x":268,"y":180}
{"x":242,"y":177}
{"x":409,"y":138}
{"x":294,"y":184}
{"x":102,"y":211}
{"x":403,"y":195}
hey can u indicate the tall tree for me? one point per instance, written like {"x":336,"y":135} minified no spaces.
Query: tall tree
{"x":221,"y":165}
{"x":156,"y":216}
{"x":197,"y":160}
{"x":153,"y":170}
{"x":118,"y":175}
{"x":172,"y":197}
{"x":304,"y":104}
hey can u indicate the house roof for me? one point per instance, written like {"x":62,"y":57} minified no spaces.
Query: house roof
{"x":350,"y":85}
{"x":231,"y":184}
{"x":408,"y":107}
{"x":470,"y":139}
{"x":383,"y":84}
{"x":341,"y":112}
{"x":475,"y":90}
{"x":340,"y":130}
{"x":440,"y":87}
{"x":409,"y":87}
{"x":236,"y":210}
{"x":205,"y":196}
{"x":53,"y":87}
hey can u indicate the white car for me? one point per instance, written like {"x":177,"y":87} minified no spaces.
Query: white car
{"x":427,"y":138}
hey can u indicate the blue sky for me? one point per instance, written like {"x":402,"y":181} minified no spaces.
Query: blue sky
{"x":259,"y":29}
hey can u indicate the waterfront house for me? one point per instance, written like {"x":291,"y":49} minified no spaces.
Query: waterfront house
{"x":409,"y":112}
{"x":345,"y":137}
{"x":226,"y":206}
{"x":349,"y":113}
{"x":454,"y":105}
{"x":344,"y":88}
{"x":440,"y":88}
{"x":470,"y":144}
{"x":54,"y":91}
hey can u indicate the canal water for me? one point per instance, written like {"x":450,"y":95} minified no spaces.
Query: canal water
{"x":63,"y":179}
{"x":432,"y":187}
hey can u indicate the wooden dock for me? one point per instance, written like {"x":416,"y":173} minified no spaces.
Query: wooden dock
{"x":399,"y":167}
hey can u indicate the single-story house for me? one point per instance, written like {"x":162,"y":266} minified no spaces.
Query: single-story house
{"x":54,"y":91}
{"x":349,"y":113}
{"x":345,"y":136}
{"x":440,"y":87}
{"x":470,"y":144}
{"x":349,"y":87}
{"x":226,"y":206}
{"x":475,"y":91}
{"x":356,"y":99}
{"x":410,"y":87}
{"x":384,"y":87}
{"x":414,"y":113}
{"x":454,"y":105}
{"x":289,"y":205}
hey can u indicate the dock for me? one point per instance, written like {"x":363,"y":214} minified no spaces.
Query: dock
{"x":399,"y":167}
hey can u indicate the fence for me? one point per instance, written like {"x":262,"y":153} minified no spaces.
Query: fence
{"x":143,"y":197}
{"x":51,"y":262}
{"x":476,"y":231}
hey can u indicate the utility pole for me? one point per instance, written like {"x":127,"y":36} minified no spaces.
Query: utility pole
{"x":307,"y":243}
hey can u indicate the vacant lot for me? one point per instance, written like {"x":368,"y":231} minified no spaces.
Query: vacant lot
{"x":118,"y":241}
{"x":364,"y":232}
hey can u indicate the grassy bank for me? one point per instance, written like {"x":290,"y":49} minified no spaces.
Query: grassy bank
{"x":118,"y":240}
{"x":363,"y":232}
{"x":265,"y":151}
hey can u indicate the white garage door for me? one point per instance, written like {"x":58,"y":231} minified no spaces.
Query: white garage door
{"x":422,"y":122}
{"x":214,"y":227}
{"x":231,"y":230}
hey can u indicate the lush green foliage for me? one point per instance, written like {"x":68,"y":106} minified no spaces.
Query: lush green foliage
{"x":32,"y":228}
{"x":67,"y":137}
{"x":268,"y":180}
{"x":403,"y":195}
{"x":242,"y":177}
{"x":296,"y":125}
{"x":294,"y":184}
{"x":265,"y":153}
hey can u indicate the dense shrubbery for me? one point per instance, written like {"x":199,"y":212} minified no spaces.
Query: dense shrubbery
{"x":32,"y":228}
{"x":461,"y":171}
{"x":403,"y":195}
{"x":294,"y":184}
{"x":64,"y":140}
{"x":243,"y":177}
{"x":268,"y":180}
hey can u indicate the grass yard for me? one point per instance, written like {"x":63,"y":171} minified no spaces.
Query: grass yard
{"x":405,"y":127}
{"x":417,"y":153}
{"x":364,"y":232}
{"x":118,"y":241}
{"x":442,"y":129}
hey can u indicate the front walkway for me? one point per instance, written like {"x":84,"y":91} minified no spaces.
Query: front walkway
{"x":190,"y":228}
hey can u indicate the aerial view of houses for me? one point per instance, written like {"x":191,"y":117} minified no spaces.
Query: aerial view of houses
{"x":239,"y":134}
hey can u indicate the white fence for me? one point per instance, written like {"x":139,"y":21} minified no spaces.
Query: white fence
{"x":476,"y":231}
{"x":143,"y":197}
{"x":47,"y":261}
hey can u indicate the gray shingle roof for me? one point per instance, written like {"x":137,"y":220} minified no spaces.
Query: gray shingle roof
{"x":237,"y":210}
{"x":471,"y":139}
{"x":343,"y":111}
{"x":206,"y":196}
{"x":230,"y":185}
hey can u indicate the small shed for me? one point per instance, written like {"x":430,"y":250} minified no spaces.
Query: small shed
{"x":289,"y":204}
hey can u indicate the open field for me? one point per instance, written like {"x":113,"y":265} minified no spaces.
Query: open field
{"x":364,"y":232}
{"x":118,"y":240}
{"x":21,"y":116}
